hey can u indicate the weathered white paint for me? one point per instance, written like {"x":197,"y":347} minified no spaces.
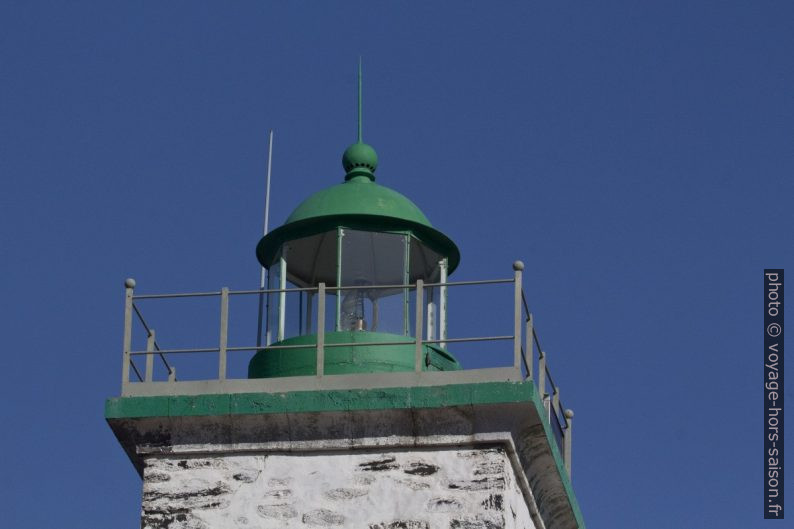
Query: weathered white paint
{"x":443,"y":488}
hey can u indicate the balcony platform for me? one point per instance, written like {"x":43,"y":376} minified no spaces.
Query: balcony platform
{"x":423,"y":413}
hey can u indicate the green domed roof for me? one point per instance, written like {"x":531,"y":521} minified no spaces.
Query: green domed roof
{"x":357,"y":203}
{"x":358,"y":197}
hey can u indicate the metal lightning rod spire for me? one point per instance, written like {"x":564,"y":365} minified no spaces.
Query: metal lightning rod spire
{"x":264,"y":232}
{"x":360,"y":139}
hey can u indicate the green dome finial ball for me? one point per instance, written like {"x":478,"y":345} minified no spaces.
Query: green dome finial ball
{"x":360,"y":159}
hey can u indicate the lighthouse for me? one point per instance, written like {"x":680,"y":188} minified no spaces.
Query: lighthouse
{"x":355,"y":411}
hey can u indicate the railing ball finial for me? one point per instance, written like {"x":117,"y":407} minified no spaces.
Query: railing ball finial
{"x":129,"y":282}
{"x":518,"y":265}
{"x":568,"y":413}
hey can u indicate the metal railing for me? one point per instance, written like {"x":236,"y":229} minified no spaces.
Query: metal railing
{"x":559,"y":418}
{"x":529,"y":358}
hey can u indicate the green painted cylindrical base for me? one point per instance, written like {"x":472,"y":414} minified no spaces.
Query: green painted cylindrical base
{"x":347,"y":359}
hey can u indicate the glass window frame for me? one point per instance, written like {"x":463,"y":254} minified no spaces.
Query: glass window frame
{"x":281,"y":264}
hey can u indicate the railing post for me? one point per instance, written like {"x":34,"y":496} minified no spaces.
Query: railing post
{"x":224,"y":333}
{"x":555,"y":400}
{"x":541,"y":374}
{"x":129,"y":288}
{"x":568,"y":441}
{"x":518,"y":268}
{"x":340,"y":233}
{"x":442,"y":303}
{"x":529,"y":348}
{"x":149,"y":356}
{"x":321,"y":329}
{"x":282,"y":296}
{"x":418,"y":325}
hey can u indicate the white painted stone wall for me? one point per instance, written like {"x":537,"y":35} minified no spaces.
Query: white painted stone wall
{"x":442,"y":488}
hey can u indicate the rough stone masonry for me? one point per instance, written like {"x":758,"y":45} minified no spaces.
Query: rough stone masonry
{"x":453,"y":488}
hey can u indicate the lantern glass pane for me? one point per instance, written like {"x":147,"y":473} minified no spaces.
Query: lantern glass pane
{"x":312,"y":260}
{"x":373,"y":258}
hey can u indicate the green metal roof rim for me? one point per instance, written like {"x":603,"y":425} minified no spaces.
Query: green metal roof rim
{"x":269,"y":244}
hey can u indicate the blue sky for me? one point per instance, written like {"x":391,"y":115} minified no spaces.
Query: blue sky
{"x":637,"y":156}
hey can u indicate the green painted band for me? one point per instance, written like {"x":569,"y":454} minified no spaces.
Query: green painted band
{"x":319,"y":401}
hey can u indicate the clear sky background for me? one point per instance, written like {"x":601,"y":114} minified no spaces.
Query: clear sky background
{"x":637,"y":156}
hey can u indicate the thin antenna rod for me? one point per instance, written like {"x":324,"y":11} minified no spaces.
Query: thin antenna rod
{"x":359,"y":100}
{"x":262,"y":271}
{"x":267,"y":190}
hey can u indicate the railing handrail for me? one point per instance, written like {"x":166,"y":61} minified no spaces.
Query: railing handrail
{"x":315,"y":289}
{"x":304,"y":346}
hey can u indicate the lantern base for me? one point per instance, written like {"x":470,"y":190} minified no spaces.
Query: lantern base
{"x":346,"y":359}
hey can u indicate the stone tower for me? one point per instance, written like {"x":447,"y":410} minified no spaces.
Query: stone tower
{"x":355,"y":412}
